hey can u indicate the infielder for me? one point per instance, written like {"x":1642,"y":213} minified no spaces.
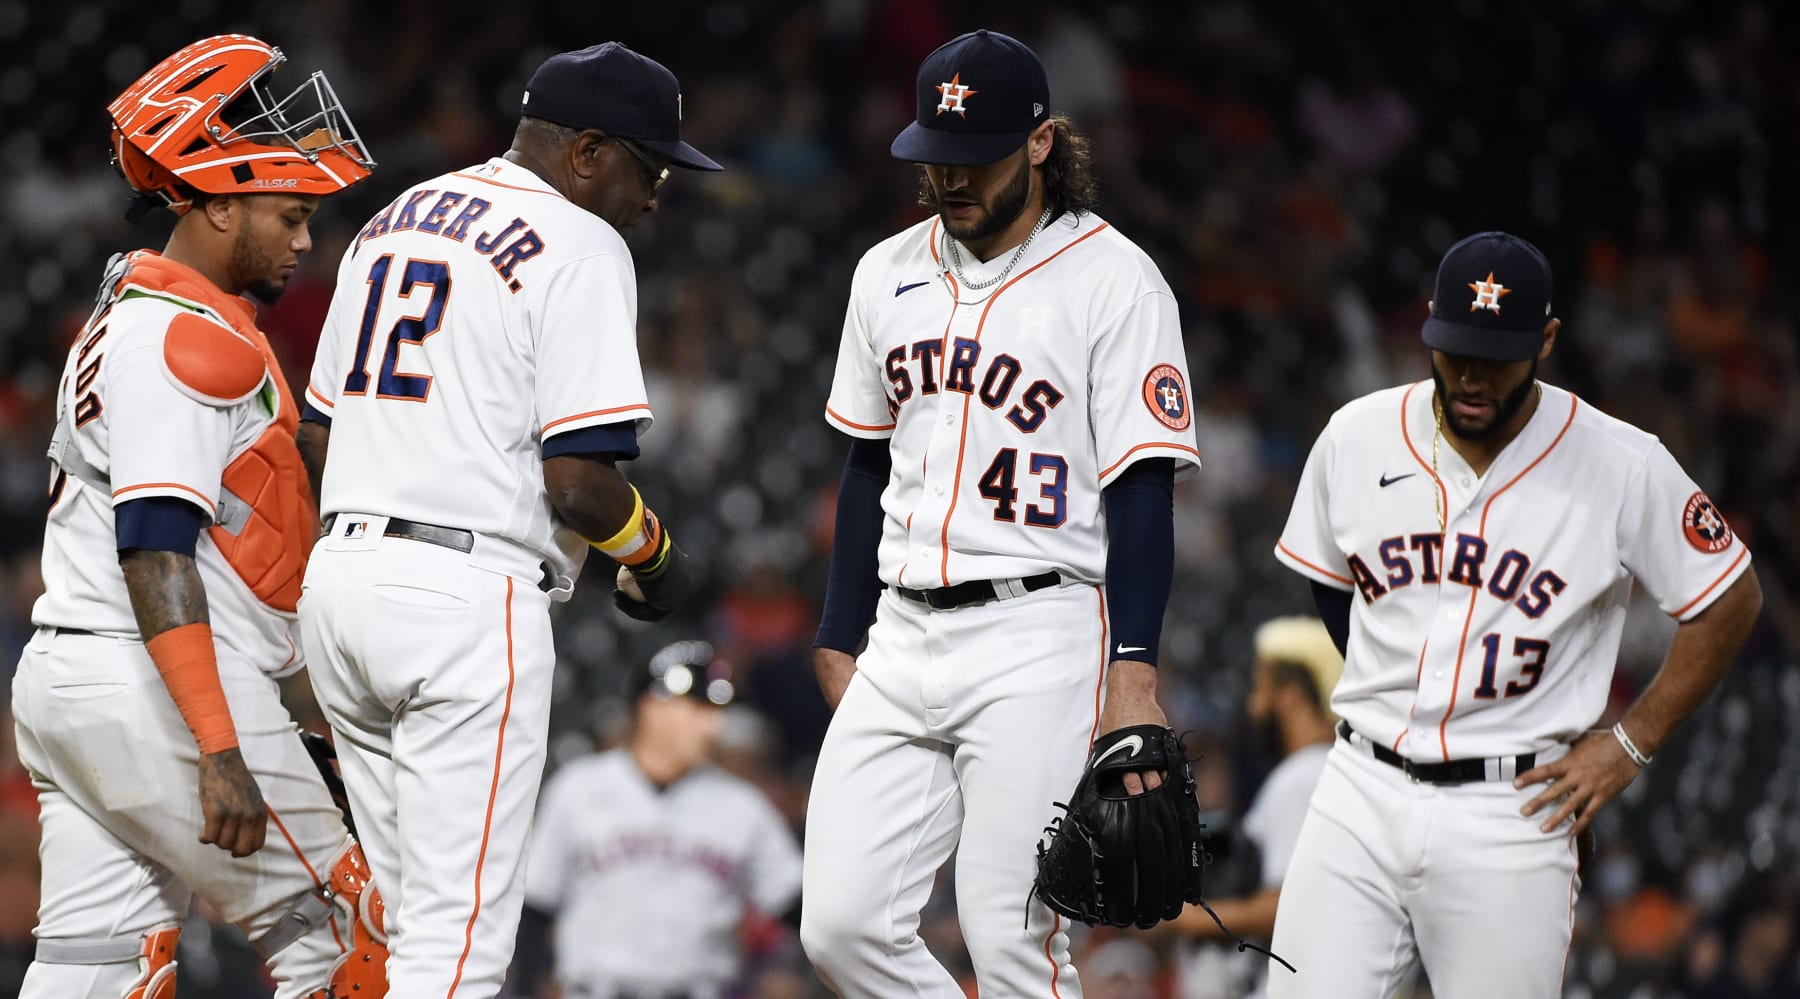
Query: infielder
{"x":1474,"y":539}
{"x":476,"y":382}
{"x":1012,"y":372}
{"x":646,"y":859}
{"x":179,"y":526}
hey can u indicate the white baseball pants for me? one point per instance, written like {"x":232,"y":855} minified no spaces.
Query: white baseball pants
{"x":117,"y":776}
{"x":435,"y":675}
{"x":959,"y":730}
{"x":1388,"y":872}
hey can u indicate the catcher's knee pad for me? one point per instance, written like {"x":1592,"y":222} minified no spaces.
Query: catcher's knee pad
{"x":156,"y":964}
{"x":362,"y":971}
{"x":153,"y":952}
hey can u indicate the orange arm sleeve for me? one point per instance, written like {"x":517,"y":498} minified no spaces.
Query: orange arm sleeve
{"x":190,"y":669}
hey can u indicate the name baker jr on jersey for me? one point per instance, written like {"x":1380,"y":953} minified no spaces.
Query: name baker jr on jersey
{"x":1468,"y":565}
{"x":997,"y":381}
{"x":515,"y":244}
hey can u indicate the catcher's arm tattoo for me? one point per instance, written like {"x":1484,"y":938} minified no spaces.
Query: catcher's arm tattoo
{"x":167,"y":594}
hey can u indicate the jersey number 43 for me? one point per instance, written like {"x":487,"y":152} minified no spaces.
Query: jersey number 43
{"x":391,"y":382}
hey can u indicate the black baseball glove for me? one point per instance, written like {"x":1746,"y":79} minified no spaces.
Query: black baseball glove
{"x":1123,"y":859}
{"x":324,"y":756}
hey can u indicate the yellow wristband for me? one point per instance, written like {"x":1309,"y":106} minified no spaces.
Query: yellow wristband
{"x":633,"y":524}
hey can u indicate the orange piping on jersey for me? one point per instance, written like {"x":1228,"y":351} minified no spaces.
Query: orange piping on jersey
{"x":963,"y":439}
{"x":925,"y":460}
{"x":310,"y":872}
{"x":487,"y":822}
{"x":1055,"y":928}
{"x":1481,"y":532}
{"x":852,"y":423}
{"x":1743,"y":553}
{"x":598,"y":412}
{"x":1099,"y":681}
{"x":318,"y":397}
{"x":931,"y":244}
{"x":210,"y":509}
{"x":511,"y":187}
{"x":1318,"y":569}
{"x":1127,"y":456}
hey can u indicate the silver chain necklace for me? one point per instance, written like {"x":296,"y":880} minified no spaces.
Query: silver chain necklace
{"x":955,"y":256}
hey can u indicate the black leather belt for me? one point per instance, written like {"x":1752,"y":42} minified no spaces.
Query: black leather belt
{"x":975,"y":591}
{"x":431,"y":534}
{"x":1447,"y":772}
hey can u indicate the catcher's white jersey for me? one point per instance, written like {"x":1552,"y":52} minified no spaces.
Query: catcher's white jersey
{"x":478,"y":315}
{"x":1497,"y":636}
{"x":648,"y":885}
{"x":1009,"y":409}
{"x":132,"y":423}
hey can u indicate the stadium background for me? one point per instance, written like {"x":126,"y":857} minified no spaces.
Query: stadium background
{"x":1295,"y":168}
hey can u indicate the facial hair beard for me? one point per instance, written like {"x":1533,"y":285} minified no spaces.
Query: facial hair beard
{"x":253,"y":268}
{"x":1503,"y":413}
{"x":1007,"y":206}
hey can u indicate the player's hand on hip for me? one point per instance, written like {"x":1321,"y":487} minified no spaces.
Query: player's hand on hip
{"x":1131,"y":700}
{"x":834,"y":670}
{"x":232,"y":804}
{"x":1592,"y":774}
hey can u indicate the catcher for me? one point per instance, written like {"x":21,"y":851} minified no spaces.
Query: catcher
{"x":179,"y":526}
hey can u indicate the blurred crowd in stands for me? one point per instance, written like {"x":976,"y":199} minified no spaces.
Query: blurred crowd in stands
{"x":1296,"y":168}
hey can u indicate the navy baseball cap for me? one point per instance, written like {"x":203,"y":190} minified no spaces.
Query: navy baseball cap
{"x":613,"y":89}
{"x":685,"y":669}
{"x":1492,"y":299}
{"x":980,"y":95}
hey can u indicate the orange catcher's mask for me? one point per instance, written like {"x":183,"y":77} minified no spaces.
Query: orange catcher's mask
{"x":205,"y":120}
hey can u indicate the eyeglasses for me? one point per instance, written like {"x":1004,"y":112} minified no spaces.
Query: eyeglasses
{"x":656,"y":174}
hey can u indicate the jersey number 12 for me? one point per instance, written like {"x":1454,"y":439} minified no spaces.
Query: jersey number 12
{"x":393,"y":383}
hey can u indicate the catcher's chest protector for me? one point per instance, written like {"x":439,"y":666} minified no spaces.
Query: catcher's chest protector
{"x":267,"y":519}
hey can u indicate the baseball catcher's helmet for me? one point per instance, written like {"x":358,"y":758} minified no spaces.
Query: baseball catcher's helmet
{"x":204,"y":120}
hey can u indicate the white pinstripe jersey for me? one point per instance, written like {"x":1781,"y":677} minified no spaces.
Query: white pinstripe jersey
{"x":478,"y":315}
{"x":1499,"y":635}
{"x":1008,"y":410}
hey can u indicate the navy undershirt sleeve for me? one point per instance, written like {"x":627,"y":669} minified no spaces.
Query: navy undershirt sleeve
{"x":158,"y":523}
{"x":611,"y":441}
{"x":1140,"y":556}
{"x":855,"y":582}
{"x":1334,"y":610}
{"x":310,"y":413}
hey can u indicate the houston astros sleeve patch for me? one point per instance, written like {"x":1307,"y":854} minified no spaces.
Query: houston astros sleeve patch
{"x":1166,"y":394}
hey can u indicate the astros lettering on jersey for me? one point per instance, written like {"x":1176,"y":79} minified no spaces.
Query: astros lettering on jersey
{"x":1006,"y":423}
{"x":1496,"y":636}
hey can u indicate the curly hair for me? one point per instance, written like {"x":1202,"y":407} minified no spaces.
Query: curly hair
{"x":1069,"y":182}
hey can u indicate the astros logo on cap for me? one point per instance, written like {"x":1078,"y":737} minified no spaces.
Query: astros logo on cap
{"x":954,"y":94}
{"x":1166,"y":396}
{"x":1488,"y":294}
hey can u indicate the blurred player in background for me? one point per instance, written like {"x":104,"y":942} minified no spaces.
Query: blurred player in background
{"x":180,"y":521}
{"x":1295,"y":670}
{"x":645,"y":860}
